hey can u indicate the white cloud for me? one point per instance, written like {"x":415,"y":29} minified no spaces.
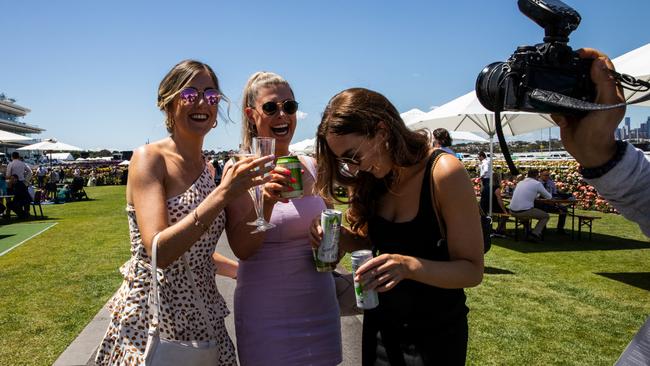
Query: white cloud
{"x":301,"y":115}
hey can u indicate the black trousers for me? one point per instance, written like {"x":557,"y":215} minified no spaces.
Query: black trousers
{"x":412,"y":344}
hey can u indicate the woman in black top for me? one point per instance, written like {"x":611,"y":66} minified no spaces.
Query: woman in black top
{"x":363,"y":144}
{"x":497,"y":203}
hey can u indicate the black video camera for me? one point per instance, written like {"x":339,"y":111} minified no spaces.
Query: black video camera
{"x":535,"y":77}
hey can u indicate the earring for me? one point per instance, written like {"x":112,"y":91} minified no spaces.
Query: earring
{"x":215,"y":124}
{"x":387,"y":146}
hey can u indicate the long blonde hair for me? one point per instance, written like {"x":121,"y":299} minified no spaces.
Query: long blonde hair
{"x":176,"y":79}
{"x":257,"y":81}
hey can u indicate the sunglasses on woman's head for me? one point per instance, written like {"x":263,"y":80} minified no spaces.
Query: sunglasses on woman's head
{"x":190,"y":95}
{"x":288,"y":107}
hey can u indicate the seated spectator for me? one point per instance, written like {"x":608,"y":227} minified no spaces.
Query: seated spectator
{"x":21,"y":201}
{"x":522,"y":204}
{"x":549,"y":185}
{"x":3,"y":185}
{"x":497,"y":203}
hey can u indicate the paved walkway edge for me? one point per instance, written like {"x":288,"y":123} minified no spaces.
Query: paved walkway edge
{"x":80,"y":351}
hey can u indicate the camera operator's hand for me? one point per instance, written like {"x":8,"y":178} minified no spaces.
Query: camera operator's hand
{"x":591,"y":139}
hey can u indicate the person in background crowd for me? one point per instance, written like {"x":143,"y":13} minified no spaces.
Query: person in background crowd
{"x":549,"y":185}
{"x":22,"y":175}
{"x":522,"y":204}
{"x":363,"y":144}
{"x":497,"y":204}
{"x":620,"y":173}
{"x":218,"y":170}
{"x":281,"y":301}
{"x":485,"y":171}
{"x":21,"y":200}
{"x":19,"y":168}
{"x":51,"y":185}
{"x":171,"y":198}
{"x":442,"y":140}
{"x":40,"y":175}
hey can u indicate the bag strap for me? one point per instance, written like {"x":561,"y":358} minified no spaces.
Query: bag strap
{"x":154,"y":284}
{"x":441,"y":224}
{"x":156,"y":294}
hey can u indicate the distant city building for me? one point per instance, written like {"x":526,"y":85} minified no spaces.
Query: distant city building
{"x":618,"y":134}
{"x":11,"y":115}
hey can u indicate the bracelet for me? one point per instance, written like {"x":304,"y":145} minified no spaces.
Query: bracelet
{"x":597,"y":172}
{"x":197,"y":222}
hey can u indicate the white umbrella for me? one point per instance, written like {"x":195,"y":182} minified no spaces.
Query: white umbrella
{"x":415,"y":115}
{"x":635,"y":63}
{"x":50,"y":145}
{"x":412,"y":115}
{"x":466,"y":113}
{"x":305,"y":146}
{"x":466,"y":136}
{"x":6,"y":136}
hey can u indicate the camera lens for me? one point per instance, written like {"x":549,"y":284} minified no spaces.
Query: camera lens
{"x":488,"y":85}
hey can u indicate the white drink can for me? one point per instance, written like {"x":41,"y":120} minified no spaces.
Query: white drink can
{"x":366,"y":299}
{"x":330,"y":221}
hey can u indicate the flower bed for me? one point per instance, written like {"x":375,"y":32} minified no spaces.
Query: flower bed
{"x":563,"y":172}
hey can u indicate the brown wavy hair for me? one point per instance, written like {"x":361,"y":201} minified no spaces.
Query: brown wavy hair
{"x":361,"y":111}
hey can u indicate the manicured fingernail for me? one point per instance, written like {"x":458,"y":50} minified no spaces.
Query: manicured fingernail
{"x":290,"y":189}
{"x":293,"y":180}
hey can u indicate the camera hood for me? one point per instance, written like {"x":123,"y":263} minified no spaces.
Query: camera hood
{"x":557,"y":18}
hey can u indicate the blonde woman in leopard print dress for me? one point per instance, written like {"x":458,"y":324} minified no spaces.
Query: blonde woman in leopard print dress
{"x":170,"y":191}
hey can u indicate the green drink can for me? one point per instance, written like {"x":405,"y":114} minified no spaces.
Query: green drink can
{"x":320,"y":265}
{"x":366,"y":299}
{"x":293,"y":164}
{"x":330,"y":221}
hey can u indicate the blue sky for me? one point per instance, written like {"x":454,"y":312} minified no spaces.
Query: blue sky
{"x":89,"y":70}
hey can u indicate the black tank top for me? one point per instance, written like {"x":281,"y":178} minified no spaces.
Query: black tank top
{"x":410,"y":301}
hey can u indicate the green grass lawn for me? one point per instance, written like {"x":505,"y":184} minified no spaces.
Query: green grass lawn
{"x":560,"y":302}
{"x":54,"y":284}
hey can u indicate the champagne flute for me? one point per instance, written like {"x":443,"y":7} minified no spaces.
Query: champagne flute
{"x":262,"y":146}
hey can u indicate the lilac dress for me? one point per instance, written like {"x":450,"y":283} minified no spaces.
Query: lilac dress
{"x":286,"y":313}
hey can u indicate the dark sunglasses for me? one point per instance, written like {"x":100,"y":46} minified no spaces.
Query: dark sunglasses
{"x":190,"y":95}
{"x":288,"y":107}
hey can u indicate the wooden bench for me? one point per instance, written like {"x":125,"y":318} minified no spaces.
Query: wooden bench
{"x":524,"y":223}
{"x":585,"y":220}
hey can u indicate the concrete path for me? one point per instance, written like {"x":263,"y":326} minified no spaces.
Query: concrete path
{"x":82,"y":350}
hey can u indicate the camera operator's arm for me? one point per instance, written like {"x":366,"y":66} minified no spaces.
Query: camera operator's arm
{"x":619,"y":171}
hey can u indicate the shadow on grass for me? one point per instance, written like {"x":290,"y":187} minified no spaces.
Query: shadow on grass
{"x":636,"y":279}
{"x":3,"y":236}
{"x":496,"y":271}
{"x":562,"y":243}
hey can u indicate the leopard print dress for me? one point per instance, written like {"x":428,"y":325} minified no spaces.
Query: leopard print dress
{"x":180,"y":318}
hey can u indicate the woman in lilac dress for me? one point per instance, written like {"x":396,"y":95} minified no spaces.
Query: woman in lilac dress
{"x":286,"y":312}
